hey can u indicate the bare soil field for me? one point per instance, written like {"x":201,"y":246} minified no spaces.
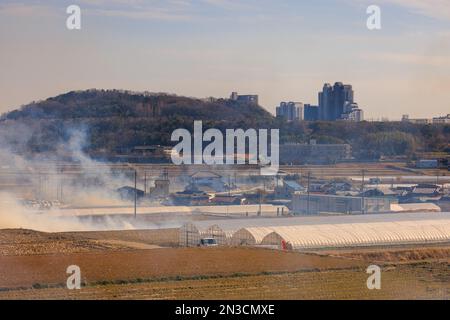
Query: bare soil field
{"x":396,"y":255}
{"x":427,"y":281}
{"x":15,"y":242}
{"x":127,"y":265}
{"x":161,"y":237}
{"x":50,"y":269}
{"x":27,"y":242}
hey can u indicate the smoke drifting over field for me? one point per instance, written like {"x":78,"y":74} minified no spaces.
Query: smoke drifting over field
{"x":13,"y":215}
{"x":93,"y":185}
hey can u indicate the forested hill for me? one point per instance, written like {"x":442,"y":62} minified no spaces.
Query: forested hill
{"x":126,"y":104}
{"x":115,"y":120}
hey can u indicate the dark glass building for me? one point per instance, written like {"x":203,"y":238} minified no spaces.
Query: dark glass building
{"x":333,"y":99}
{"x":311,"y":113}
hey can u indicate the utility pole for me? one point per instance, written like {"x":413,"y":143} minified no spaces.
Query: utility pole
{"x":443,"y":184}
{"x":260,"y":207}
{"x":307,"y":203}
{"x":135,"y":193}
{"x":40,"y":185}
{"x":61,"y":184}
{"x":362,"y":192}
{"x":145,"y":182}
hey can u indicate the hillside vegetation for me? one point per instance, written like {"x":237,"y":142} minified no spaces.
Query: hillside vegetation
{"x":115,"y":120}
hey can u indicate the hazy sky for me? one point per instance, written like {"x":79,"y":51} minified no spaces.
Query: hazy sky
{"x":279,"y":49}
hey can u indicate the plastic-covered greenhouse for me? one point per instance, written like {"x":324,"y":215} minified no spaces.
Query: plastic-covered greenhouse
{"x":322,"y":232}
{"x":359,"y":234}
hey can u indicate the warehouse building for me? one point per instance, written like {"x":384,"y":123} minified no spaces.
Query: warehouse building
{"x":320,"y":203}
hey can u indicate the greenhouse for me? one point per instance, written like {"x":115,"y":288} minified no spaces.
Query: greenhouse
{"x":249,"y":236}
{"x":321,"y":232}
{"x":359,"y":234}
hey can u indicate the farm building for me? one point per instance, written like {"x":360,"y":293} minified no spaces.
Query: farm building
{"x":299,"y":233}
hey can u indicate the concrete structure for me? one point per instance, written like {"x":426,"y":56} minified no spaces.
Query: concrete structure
{"x":442,"y":120}
{"x":405,"y":118}
{"x":290,"y":111}
{"x":356,"y":115}
{"x":314,"y":153}
{"x":319,"y":203}
{"x":436,"y":120}
{"x":352,"y":112}
{"x":248,"y":98}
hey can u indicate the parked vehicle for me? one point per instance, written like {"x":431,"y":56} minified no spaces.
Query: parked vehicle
{"x":208,"y":242}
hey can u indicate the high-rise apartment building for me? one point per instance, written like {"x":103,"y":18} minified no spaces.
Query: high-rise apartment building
{"x":337,"y":102}
{"x":290,"y":111}
{"x":311,"y":113}
{"x":326,"y":103}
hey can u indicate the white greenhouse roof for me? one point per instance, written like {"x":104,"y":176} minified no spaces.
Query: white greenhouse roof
{"x":334,"y":231}
{"x":360,"y":234}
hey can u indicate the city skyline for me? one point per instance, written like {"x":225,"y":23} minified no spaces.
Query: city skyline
{"x":282,"y":51}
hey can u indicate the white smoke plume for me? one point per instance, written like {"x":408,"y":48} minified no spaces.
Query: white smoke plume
{"x":45,"y":182}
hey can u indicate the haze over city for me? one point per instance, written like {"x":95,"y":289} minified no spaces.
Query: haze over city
{"x":280,"y":50}
{"x":213,"y":156}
